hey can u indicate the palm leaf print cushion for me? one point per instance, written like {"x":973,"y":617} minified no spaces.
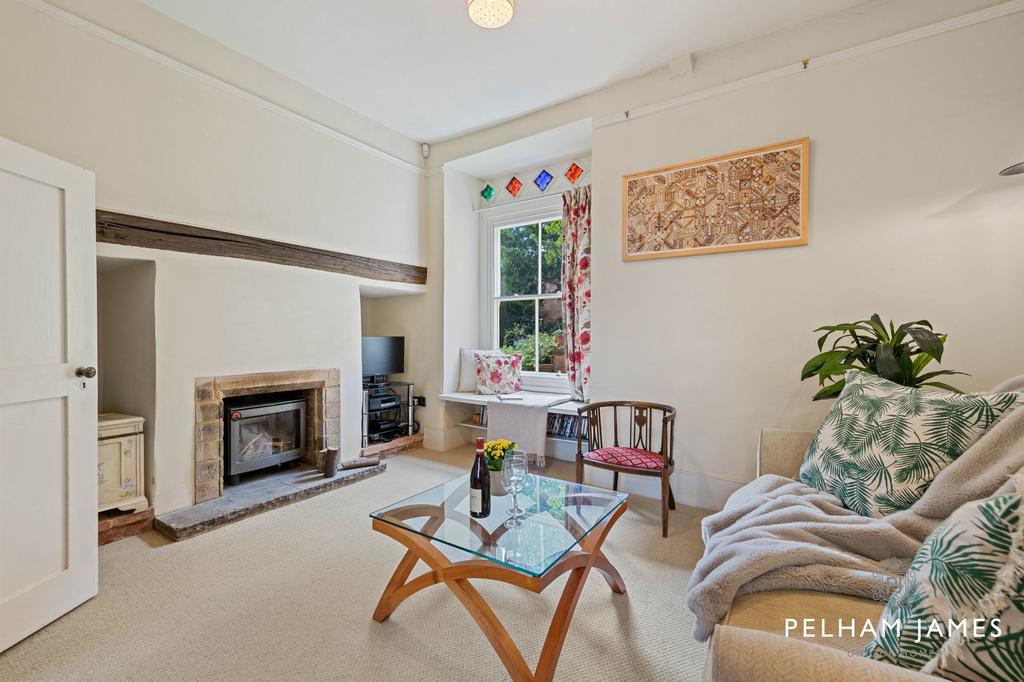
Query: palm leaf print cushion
{"x":969,"y":571}
{"x":882,"y":444}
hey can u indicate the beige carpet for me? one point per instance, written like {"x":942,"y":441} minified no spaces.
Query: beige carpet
{"x":287,"y":595}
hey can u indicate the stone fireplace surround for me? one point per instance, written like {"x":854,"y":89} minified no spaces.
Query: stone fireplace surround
{"x":323,"y":417}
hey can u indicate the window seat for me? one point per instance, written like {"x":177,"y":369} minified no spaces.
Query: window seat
{"x":559,"y":447}
{"x":565,"y":406}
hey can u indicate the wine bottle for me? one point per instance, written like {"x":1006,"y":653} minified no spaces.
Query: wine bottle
{"x":479,"y":485}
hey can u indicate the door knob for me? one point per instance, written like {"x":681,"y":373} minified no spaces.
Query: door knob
{"x":85,"y":372}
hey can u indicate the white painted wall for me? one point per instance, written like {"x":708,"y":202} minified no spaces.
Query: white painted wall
{"x":461,"y":320}
{"x":167,"y":144}
{"x":137,"y":21}
{"x":908,"y":218}
{"x":422,"y":315}
{"x":217,"y":316}
{"x":126,"y":331}
{"x":419,"y":319}
{"x":461,"y":272}
{"x":366,"y":315}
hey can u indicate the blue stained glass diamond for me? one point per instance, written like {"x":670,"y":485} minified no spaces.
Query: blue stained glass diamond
{"x":543,"y":179}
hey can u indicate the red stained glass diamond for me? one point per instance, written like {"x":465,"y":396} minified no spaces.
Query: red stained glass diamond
{"x":574,"y":172}
{"x":514,"y":186}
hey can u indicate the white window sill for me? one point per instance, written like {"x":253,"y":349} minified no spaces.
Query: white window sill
{"x":566,"y":407}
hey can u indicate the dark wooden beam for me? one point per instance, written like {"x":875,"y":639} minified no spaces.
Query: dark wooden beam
{"x":130,"y":230}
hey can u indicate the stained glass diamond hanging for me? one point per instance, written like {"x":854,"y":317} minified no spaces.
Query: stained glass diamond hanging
{"x":543,"y":179}
{"x":514,"y":186}
{"x":574,"y":172}
{"x":487,"y":193}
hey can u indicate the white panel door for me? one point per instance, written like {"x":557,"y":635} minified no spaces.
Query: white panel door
{"x":48,"y":545}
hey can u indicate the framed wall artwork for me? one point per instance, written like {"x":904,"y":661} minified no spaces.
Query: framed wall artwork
{"x":751,"y":199}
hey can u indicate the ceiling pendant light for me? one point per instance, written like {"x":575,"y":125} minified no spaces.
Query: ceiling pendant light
{"x":491,"y":13}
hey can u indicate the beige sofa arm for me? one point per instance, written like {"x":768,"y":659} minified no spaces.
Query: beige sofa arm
{"x":781,"y":452}
{"x":741,"y":655}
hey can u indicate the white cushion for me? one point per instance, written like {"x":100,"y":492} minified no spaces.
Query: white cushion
{"x":467,"y":369}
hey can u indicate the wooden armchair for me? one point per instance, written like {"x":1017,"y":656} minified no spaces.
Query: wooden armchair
{"x":638,"y":455}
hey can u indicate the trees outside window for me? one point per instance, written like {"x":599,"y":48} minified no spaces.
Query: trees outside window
{"x":528,"y":294}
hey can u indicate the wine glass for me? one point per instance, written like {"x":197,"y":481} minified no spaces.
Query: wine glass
{"x":508,"y":477}
{"x":513,"y":477}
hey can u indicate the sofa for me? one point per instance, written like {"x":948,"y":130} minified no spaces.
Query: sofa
{"x":751,"y":643}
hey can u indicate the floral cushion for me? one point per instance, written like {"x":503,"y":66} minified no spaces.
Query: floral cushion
{"x":970,"y":570}
{"x":498,"y":373}
{"x":627,"y":457}
{"x":882,"y":444}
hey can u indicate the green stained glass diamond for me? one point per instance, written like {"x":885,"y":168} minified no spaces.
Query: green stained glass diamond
{"x":487,"y":193}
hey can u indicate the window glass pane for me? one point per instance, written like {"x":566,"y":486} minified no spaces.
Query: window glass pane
{"x":552,"y":340}
{"x":518,"y":260}
{"x":551,"y":256}
{"x":516,"y":330}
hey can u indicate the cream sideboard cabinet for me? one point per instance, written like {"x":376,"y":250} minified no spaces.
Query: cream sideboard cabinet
{"x":120,"y":472}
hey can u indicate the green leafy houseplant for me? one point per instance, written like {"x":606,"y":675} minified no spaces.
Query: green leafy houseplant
{"x":899,"y":354}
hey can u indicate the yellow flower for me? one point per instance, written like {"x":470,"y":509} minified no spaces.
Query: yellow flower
{"x":498,"y":448}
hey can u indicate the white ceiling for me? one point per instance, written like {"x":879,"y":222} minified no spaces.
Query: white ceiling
{"x":422,"y":68}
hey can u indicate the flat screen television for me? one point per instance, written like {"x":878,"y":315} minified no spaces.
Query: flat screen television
{"x":383,"y":355}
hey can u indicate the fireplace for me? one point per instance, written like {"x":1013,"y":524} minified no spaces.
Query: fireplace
{"x":215,"y":396}
{"x":262,"y":431}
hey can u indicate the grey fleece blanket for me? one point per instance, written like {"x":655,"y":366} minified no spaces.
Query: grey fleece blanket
{"x":779,"y":534}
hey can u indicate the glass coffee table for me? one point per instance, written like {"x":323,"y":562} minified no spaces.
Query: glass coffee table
{"x":563,"y":529}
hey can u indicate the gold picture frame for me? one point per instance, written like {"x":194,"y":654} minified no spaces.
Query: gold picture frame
{"x":755,"y":199}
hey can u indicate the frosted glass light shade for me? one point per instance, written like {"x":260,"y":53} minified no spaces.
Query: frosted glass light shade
{"x":491,"y":13}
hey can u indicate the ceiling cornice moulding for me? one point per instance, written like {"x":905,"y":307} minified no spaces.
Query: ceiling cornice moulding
{"x":213,"y":81}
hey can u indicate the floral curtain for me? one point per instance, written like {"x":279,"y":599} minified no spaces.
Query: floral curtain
{"x":576,"y":288}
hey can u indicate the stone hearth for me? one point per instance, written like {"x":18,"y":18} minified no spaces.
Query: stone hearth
{"x":267,"y":490}
{"x":323,"y":417}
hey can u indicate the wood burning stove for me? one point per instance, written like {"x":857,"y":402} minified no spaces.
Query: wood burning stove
{"x":261,"y":431}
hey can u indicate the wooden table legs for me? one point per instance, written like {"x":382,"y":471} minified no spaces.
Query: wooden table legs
{"x":456,"y":576}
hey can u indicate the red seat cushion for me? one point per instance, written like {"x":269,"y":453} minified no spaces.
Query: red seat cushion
{"x":626,"y":457}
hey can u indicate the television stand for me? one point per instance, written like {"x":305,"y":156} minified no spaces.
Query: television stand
{"x":389,"y":410}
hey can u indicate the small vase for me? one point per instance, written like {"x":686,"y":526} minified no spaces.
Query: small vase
{"x":497,"y":487}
